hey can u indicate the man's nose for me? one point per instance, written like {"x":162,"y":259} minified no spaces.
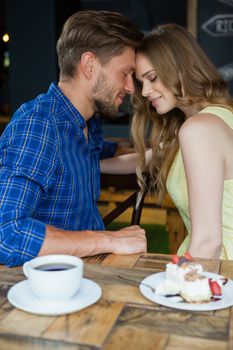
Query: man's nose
{"x":129,"y":87}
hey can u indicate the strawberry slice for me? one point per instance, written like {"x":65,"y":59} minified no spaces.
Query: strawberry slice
{"x":215,"y":288}
{"x":188,"y":256}
{"x":175,"y":259}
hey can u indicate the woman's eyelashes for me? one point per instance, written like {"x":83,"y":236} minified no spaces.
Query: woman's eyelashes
{"x":152,"y":79}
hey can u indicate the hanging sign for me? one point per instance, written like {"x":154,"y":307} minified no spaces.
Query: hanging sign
{"x":219,"y":25}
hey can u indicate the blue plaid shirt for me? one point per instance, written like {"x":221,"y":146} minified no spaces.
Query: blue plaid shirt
{"x":49,"y":174}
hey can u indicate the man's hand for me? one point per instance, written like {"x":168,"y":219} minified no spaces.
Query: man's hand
{"x":128,"y":240}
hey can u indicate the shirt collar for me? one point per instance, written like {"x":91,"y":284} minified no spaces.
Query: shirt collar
{"x":55,"y":91}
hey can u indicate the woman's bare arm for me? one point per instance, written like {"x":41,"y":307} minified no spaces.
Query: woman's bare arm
{"x":123,"y":164}
{"x":201,"y":143}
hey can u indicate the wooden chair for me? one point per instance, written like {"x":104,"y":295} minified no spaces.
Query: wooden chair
{"x":173,"y":222}
{"x":124,"y":182}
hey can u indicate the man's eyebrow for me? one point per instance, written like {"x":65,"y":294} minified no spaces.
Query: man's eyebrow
{"x":130,"y":69}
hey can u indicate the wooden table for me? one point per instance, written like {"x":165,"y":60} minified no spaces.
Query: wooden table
{"x":122,"y":318}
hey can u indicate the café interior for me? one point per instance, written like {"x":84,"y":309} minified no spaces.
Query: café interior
{"x":123,"y":318}
{"x":28,"y":65}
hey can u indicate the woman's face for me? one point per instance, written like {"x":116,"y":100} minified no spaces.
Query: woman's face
{"x":161,"y":98}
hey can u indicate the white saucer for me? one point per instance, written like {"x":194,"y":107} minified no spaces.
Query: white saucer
{"x":20,"y":296}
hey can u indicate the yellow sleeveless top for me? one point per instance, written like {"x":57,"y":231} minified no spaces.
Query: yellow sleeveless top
{"x":177,"y":189}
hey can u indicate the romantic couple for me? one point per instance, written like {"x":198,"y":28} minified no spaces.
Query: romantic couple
{"x":52,"y":151}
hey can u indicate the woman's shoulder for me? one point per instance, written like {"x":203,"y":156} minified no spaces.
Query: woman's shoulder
{"x":212,"y":115}
{"x":202,"y":125}
{"x":223,"y":113}
{"x":199,"y":121}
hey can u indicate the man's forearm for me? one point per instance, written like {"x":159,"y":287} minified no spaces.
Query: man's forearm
{"x":129,"y":240}
{"x":79,"y":243}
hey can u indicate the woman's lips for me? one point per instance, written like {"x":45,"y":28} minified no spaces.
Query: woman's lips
{"x":155,"y":101}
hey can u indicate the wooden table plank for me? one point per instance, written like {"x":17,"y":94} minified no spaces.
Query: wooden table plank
{"x":23,"y":323}
{"x":11,"y":275}
{"x":210,"y":265}
{"x":89,"y":327}
{"x":128,"y":338}
{"x":226,"y":268}
{"x":5,"y":309}
{"x":172,"y":321}
{"x":113,"y":260}
{"x":157,"y":262}
{"x":152,"y":262}
{"x":230,"y":329}
{"x":152,"y":324}
{"x":115,"y":289}
{"x":178,"y":342}
{"x":13,"y":342}
{"x":127,"y":262}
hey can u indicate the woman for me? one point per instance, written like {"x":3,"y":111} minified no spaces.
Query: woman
{"x":183,"y":109}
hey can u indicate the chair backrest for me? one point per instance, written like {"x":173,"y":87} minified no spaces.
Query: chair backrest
{"x":124,"y":182}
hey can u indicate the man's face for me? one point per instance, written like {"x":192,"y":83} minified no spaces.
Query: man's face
{"x":113,"y":82}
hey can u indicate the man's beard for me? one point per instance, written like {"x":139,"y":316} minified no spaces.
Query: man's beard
{"x":103,"y":98}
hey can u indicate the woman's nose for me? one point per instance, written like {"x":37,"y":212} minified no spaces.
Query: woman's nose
{"x":146,"y":90}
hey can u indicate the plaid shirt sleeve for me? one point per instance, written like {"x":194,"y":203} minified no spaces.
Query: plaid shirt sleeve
{"x":108,"y":149}
{"x":27,"y":167}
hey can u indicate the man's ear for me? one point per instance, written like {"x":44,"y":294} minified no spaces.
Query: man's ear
{"x":87,"y":64}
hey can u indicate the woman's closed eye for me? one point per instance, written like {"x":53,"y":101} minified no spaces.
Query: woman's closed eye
{"x":153,"y":78}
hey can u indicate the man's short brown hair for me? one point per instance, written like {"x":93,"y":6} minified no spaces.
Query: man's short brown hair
{"x":104,"y":33}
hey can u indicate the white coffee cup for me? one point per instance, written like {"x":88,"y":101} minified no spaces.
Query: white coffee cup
{"x":54,"y":277}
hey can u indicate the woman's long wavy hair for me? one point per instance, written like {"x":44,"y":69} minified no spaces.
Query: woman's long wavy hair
{"x":183,"y":68}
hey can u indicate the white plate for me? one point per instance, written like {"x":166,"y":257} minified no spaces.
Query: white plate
{"x":20,"y":296}
{"x":174,"y":302}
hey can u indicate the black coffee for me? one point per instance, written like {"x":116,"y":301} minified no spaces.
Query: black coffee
{"x":54,"y":267}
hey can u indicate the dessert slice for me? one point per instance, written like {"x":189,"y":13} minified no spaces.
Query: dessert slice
{"x":195,"y":288}
{"x":185,"y":277}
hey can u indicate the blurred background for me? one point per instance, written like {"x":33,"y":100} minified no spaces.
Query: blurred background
{"x":29,"y":30}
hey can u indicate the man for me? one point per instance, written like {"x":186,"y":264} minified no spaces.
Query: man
{"x":50,"y":151}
